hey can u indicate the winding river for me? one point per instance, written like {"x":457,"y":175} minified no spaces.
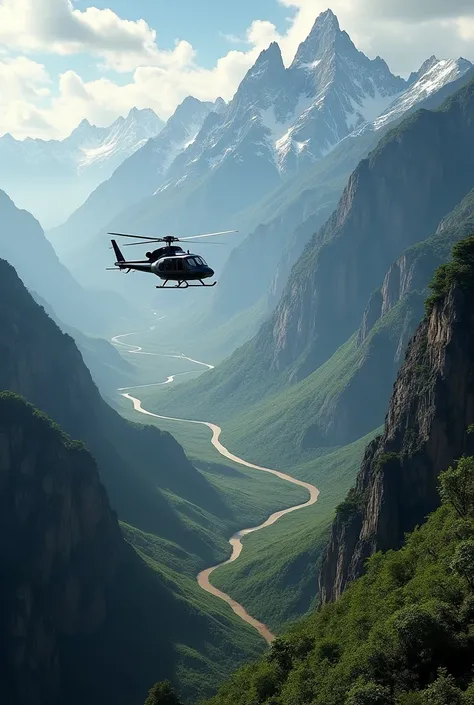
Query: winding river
{"x":236,"y":540}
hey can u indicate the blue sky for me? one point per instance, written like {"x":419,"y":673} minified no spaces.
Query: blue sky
{"x":208,"y":29}
{"x":65,"y":60}
{"x":201,"y":27}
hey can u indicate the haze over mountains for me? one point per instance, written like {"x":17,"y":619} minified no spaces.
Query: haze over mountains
{"x":278,"y":135}
{"x":31,"y":169}
{"x":136,"y":178}
{"x":350,"y":187}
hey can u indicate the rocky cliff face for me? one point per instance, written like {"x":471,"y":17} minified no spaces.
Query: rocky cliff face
{"x":60,"y":547}
{"x":43,"y":365}
{"x":395,"y":198}
{"x":426,"y":429}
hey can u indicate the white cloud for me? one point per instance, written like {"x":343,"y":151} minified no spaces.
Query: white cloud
{"x":55,"y":26}
{"x":398,"y":30}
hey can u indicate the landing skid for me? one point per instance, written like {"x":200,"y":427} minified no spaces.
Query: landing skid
{"x":185,"y":285}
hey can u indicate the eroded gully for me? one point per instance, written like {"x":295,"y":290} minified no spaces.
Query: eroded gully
{"x":203,"y":578}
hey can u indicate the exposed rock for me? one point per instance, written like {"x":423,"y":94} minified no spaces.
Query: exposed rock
{"x":426,"y":430}
{"x":60,"y":547}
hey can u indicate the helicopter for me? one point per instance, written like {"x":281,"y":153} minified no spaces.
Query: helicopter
{"x":170,"y":263}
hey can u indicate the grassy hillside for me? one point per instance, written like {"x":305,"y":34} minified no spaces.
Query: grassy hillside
{"x":401,"y":635}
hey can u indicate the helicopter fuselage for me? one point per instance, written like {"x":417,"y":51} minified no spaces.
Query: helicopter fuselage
{"x":169,"y":264}
{"x":181,"y":267}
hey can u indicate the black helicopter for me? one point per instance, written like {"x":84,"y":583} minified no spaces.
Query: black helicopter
{"x":170,"y":262}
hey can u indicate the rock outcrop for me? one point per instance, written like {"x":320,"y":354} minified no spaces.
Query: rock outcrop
{"x":60,"y":548}
{"x":426,"y":430}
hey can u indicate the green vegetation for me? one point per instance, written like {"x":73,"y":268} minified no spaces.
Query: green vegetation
{"x":400,"y":635}
{"x":158,"y":622}
{"x":282,"y":560}
{"x":459,"y":271}
{"x":276,"y":575}
{"x":177,"y":520}
{"x":162,"y":694}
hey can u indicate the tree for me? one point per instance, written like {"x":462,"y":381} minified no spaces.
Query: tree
{"x":443,"y":691}
{"x":369,"y":693}
{"x":457,"y":486}
{"x":463,"y":561}
{"x":468,"y":697}
{"x":162,"y":694}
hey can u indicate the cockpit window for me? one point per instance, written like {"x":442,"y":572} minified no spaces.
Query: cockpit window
{"x":192,"y":262}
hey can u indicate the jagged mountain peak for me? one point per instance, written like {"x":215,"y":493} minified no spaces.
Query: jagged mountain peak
{"x":84,"y":123}
{"x":325,"y":22}
{"x":425,"y":66}
{"x":139,"y":114}
{"x":187,"y":112}
{"x":268,"y":59}
{"x":322,"y":37}
{"x":190,"y":100}
{"x":84,"y":127}
{"x":262,"y":82}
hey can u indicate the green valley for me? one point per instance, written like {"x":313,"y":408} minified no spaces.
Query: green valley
{"x":259,"y":492}
{"x":400,"y":635}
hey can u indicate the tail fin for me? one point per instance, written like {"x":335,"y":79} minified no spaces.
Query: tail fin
{"x":118,"y":254}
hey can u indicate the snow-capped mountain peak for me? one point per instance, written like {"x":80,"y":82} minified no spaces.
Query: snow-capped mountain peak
{"x":180,"y":131}
{"x":287,"y":118}
{"x":124,"y":137}
{"x":220,"y":105}
{"x":322,"y":38}
{"x":75,"y":165}
{"x":426,"y":66}
{"x":431,"y":77}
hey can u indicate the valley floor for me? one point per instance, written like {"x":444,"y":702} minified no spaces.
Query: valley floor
{"x":275,"y":578}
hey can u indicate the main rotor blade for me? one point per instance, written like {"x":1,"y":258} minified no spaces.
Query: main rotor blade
{"x":222,"y":232}
{"x":205,"y":243}
{"x":146,"y":242}
{"x":138,"y":237}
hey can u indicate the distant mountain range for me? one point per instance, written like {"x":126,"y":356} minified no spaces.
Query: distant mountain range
{"x":138,"y":177}
{"x":281,"y":125}
{"x":320,"y":370}
{"x":23,"y":245}
{"x":31,"y":169}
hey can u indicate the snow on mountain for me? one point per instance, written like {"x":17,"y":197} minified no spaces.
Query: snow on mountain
{"x":32,"y":169}
{"x":283,"y":119}
{"x":135,"y":178}
{"x":433,"y":75}
{"x":122,"y":139}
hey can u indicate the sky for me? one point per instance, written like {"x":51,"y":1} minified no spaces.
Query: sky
{"x":65,"y":60}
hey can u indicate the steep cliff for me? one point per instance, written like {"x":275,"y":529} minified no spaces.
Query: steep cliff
{"x":399,"y":635}
{"x":44,"y":365}
{"x":63,"y":563}
{"x":395,"y":198}
{"x":108,"y":368}
{"x":60,"y":548}
{"x":426,"y":429}
{"x":158,"y":623}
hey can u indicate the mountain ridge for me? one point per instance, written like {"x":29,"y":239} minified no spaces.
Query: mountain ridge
{"x":137,"y":177}
{"x":322,"y":305}
{"x":426,"y":430}
{"x":73,"y":166}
